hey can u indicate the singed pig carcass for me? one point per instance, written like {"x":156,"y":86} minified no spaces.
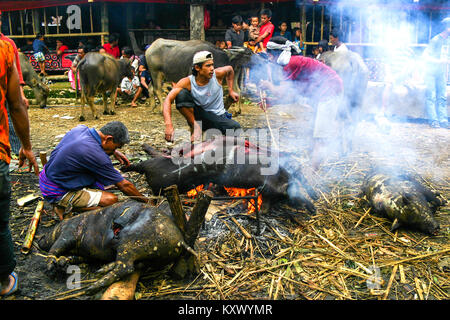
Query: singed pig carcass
{"x":129,"y":235}
{"x":228,"y":162}
{"x":403,"y":200}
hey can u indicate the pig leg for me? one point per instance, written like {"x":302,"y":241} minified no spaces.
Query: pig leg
{"x":55,"y":259}
{"x":117,"y":271}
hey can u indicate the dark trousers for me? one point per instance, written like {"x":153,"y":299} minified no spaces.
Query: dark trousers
{"x":7,"y":257}
{"x":208,"y":119}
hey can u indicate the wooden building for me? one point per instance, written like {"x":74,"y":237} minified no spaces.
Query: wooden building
{"x":140,"y":22}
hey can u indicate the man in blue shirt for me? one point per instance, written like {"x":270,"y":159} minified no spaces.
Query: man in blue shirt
{"x":80,"y":167}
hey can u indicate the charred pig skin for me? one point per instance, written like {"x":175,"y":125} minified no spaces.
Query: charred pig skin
{"x":402,"y":199}
{"x":125,"y":234}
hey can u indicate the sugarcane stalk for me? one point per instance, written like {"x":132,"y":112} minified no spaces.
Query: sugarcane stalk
{"x":32,"y":228}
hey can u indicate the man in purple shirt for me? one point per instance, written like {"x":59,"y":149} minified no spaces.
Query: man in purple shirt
{"x":80,"y":167}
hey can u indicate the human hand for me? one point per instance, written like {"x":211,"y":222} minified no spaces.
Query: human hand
{"x":27,"y":154}
{"x":122,"y":158}
{"x":234,"y":96}
{"x":169,"y":133}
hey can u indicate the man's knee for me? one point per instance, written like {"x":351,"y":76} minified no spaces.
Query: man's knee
{"x":184,"y":99}
{"x":108,"y":199}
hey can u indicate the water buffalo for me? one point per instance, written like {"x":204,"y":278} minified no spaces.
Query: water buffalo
{"x":100,"y":73}
{"x":171,"y":60}
{"x":32,"y":80}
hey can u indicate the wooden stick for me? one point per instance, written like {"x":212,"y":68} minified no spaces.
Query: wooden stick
{"x":263,"y":104}
{"x":32,"y":229}
{"x":391,"y":279}
{"x":173,"y":197}
{"x":243,"y":230}
{"x":198,"y":216}
{"x":124,"y":289}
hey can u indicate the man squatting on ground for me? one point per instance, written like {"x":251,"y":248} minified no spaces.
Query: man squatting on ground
{"x":303,"y":76}
{"x":10,"y":91}
{"x":199,"y":98}
{"x":79,"y":168}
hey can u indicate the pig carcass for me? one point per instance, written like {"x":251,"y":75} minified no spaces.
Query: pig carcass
{"x":402,"y":199}
{"x":228,"y":162}
{"x":131,"y":234}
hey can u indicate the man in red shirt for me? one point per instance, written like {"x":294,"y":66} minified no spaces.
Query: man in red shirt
{"x":112,"y":47}
{"x":267,"y":28}
{"x":311,"y":79}
{"x":60,"y":47}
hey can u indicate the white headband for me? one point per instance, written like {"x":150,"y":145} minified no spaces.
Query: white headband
{"x":285,"y":56}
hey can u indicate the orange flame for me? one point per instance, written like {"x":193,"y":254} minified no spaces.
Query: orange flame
{"x":241,"y":192}
{"x":233,"y":192}
{"x":193,"y":193}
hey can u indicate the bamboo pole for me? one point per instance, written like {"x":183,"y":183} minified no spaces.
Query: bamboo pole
{"x":57,"y":21}
{"x":21,"y":22}
{"x":10,"y":25}
{"x":32,"y":228}
{"x":90,"y":17}
{"x":45,"y":21}
{"x":321,"y":22}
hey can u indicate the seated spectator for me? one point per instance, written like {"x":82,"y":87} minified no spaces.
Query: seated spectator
{"x":283,"y":31}
{"x":253,"y":34}
{"x":130,"y":87}
{"x":27,"y":47}
{"x":298,"y":38}
{"x":235,"y":36}
{"x":40,"y":49}
{"x":217,"y":43}
{"x":223,"y":45}
{"x":322,"y":47}
{"x":128,"y":53}
{"x":60,"y":47}
{"x":112,"y":47}
{"x":315,"y":53}
{"x":336,"y":42}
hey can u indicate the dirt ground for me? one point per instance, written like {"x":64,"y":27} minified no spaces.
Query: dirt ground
{"x":420,"y":149}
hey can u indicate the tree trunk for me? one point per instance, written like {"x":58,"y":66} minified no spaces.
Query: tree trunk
{"x":197,"y":22}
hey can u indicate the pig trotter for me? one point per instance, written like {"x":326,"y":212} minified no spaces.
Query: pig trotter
{"x":118,"y":270}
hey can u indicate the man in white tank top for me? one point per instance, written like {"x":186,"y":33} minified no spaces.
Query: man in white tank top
{"x":199,"y":98}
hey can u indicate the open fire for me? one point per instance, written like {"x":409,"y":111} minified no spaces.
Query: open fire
{"x":234,"y":192}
